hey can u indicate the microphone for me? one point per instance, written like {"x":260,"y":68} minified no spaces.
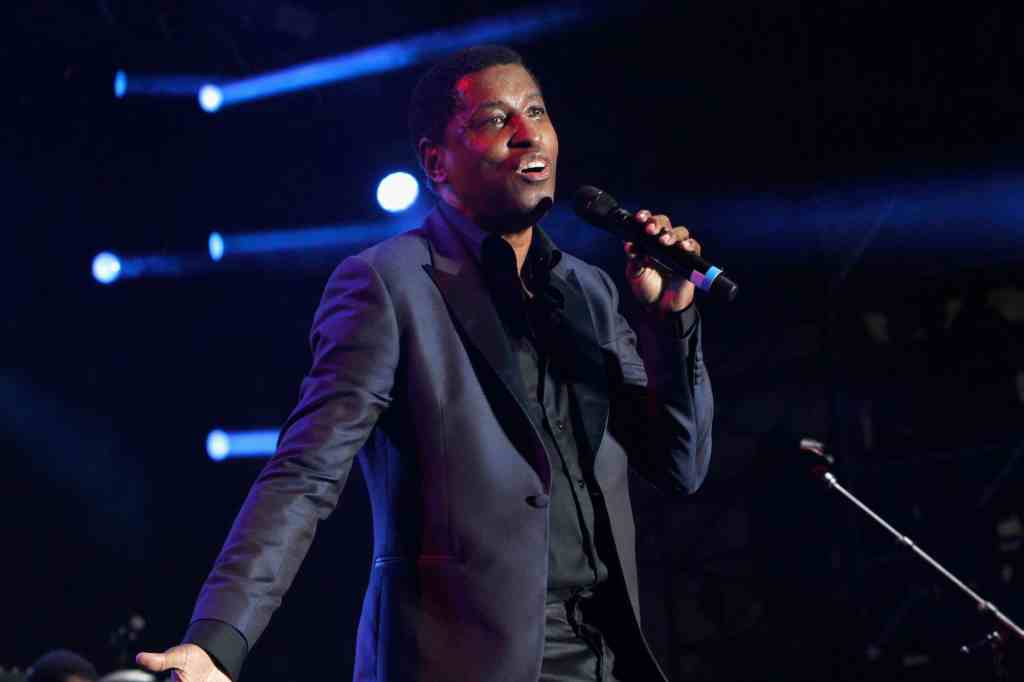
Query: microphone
{"x":601,"y":210}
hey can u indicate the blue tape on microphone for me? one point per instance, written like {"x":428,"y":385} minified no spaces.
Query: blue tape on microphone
{"x":705,"y":280}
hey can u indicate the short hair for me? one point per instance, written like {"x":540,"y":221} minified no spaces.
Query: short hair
{"x":433,"y":99}
{"x":60,"y":664}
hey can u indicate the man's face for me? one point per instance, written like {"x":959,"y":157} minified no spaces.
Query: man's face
{"x":500,"y":149}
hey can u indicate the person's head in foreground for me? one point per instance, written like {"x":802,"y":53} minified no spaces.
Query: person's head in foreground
{"x":61,"y":665}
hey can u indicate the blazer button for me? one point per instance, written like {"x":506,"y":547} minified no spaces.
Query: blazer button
{"x":538,"y":501}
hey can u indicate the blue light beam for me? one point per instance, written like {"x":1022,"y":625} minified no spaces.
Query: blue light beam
{"x":328,"y":236}
{"x":390,"y":56}
{"x":222,"y":445}
{"x":108,"y":267}
{"x":172,"y":85}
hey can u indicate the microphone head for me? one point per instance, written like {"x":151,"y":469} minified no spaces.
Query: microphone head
{"x":593,"y":204}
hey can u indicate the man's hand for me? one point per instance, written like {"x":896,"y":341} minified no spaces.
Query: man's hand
{"x":669,"y":292}
{"x":189,"y":662}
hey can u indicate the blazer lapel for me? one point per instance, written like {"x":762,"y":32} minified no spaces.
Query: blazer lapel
{"x":458,"y":278}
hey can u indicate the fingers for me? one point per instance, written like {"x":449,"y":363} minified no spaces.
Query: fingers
{"x":635,"y":265}
{"x":647,"y":280}
{"x":660,"y":225}
{"x":691,"y":244}
{"x":635,"y":258}
{"x":654,"y":224}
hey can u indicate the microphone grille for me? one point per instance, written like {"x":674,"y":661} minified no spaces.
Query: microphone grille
{"x":594,"y":203}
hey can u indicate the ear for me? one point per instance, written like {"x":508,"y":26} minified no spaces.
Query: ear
{"x":432,"y":160}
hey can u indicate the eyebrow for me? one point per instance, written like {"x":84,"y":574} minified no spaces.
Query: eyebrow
{"x":498,"y":103}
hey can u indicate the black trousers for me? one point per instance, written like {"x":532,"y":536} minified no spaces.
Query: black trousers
{"x":574,"y":648}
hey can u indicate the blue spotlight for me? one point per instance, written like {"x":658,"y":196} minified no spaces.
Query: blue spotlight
{"x":392,"y":56}
{"x":221,"y":445}
{"x":397,"y":192}
{"x":159,"y":85}
{"x":326,"y":237}
{"x":106,"y":267}
{"x":210,"y":97}
{"x":216,"y":246}
{"x":218,"y":445}
{"x":120,"y":84}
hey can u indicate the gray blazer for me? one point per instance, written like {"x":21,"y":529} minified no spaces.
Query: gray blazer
{"x":411,"y":361}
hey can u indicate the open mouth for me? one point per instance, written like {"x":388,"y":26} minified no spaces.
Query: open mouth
{"x":535,"y":170}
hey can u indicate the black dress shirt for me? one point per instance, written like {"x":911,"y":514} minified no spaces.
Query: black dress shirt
{"x":530,"y":311}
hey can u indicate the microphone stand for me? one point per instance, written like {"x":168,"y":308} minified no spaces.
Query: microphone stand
{"x":1005,"y":629}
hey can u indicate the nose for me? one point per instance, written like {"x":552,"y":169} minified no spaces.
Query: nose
{"x":527,"y":133}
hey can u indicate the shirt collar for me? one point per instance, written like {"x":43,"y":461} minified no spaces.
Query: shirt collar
{"x":490,"y":250}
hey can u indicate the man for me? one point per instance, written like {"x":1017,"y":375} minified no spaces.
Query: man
{"x":500,"y":391}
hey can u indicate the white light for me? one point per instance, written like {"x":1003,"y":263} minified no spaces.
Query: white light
{"x":397,"y":192}
{"x":120,"y":84}
{"x":216,"y":246}
{"x":218,"y":445}
{"x":210,"y":98}
{"x":106,"y":267}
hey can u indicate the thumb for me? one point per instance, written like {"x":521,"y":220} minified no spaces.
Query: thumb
{"x":169,"y":660}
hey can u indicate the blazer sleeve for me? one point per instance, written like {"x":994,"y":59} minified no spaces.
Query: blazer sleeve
{"x":355,"y":345}
{"x":662,"y":405}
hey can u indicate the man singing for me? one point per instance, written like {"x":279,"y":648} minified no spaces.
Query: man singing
{"x":493,"y":396}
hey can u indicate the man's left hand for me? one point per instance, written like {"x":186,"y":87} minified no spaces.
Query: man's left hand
{"x":652,"y":287}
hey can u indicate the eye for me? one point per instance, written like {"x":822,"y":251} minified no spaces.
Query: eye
{"x":536,"y":111}
{"x":495,"y":121}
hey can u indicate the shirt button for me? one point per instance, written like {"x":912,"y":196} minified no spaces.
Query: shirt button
{"x":581,"y":483}
{"x":538,"y":501}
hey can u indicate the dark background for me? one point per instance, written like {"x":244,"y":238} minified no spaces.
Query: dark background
{"x":857,"y":166}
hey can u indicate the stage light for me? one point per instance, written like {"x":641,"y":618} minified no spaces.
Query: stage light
{"x":120,"y":84}
{"x":344,"y":236}
{"x":216,"y":246}
{"x":221,"y":445}
{"x":106,"y":267}
{"x":397,"y":192}
{"x":159,"y":85}
{"x":210,"y":97}
{"x":398,"y":54}
{"x":218,"y":445}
